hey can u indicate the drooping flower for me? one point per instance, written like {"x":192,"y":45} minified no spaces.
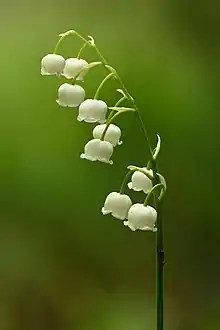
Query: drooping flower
{"x":112,"y":134}
{"x":92,"y":111}
{"x":139,"y":181}
{"x":117,"y":204}
{"x":73,"y":66}
{"x":141,"y":217}
{"x":70,"y":95}
{"x":52,"y":64}
{"x":98,"y":150}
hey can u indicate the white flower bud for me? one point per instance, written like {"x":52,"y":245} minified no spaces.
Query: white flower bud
{"x":98,"y":150}
{"x":92,"y":111}
{"x":70,"y":95}
{"x":52,"y":64}
{"x":118,"y":205}
{"x":112,"y":134}
{"x":73,"y":66}
{"x":139,"y":181}
{"x":141,"y":217}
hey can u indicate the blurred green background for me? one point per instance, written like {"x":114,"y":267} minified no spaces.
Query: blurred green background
{"x":62,"y":264}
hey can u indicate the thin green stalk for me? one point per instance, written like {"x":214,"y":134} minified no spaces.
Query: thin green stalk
{"x":81,"y":49}
{"x":159,"y":235}
{"x":110,"y":121}
{"x":160,"y":269}
{"x":116,"y":105}
{"x":149,"y":195}
{"x":102,"y":84}
{"x":125,"y":181}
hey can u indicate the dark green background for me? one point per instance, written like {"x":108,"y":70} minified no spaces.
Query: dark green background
{"x":62,"y":264}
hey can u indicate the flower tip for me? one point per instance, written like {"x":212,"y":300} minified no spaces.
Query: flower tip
{"x":102,"y":121}
{"x":79,"y":118}
{"x":120,"y":143}
{"x":104,"y":212}
{"x":130,"y":185}
{"x":82,"y":156}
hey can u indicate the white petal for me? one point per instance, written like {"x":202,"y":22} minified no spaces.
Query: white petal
{"x":52,"y":64}
{"x":70,"y":95}
{"x":73,"y":66}
{"x":92,"y":111}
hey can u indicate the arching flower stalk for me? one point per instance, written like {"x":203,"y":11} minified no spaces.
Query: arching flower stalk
{"x":146,"y":215}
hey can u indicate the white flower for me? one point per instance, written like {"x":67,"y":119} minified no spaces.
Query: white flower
{"x":92,"y":111}
{"x":73,"y":66}
{"x":141,"y":217}
{"x":118,"y":205}
{"x":139,"y":181}
{"x":52,"y":64}
{"x":70,"y":95}
{"x":98,"y":150}
{"x":112,"y":134}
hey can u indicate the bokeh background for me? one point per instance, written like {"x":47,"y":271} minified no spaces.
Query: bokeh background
{"x":62,"y":264}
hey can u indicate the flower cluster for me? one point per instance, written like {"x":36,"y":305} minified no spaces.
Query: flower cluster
{"x":106,"y":135}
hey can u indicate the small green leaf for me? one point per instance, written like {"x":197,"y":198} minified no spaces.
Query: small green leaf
{"x":157,"y":150}
{"x":92,"y":65}
{"x":121,"y":92}
{"x":92,"y":41}
{"x":136,"y":168}
{"x":67,"y":33}
{"x":121,"y":109}
{"x":111,"y":69}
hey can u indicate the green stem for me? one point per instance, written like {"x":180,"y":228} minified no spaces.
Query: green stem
{"x":116,"y":105}
{"x":62,"y":37}
{"x":159,"y":235}
{"x":148,"y":197}
{"x":160,"y":269}
{"x":81,"y":49}
{"x":102,"y":84}
{"x":110,"y":121}
{"x":125,"y":181}
{"x":58,"y":44}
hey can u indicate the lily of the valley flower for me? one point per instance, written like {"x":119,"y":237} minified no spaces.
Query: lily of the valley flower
{"x":70,"y":95}
{"x":73,"y":66}
{"x":92,"y":111}
{"x":139,"y":181}
{"x":118,"y":205}
{"x":98,"y":150}
{"x":141,"y":217}
{"x":112,"y":134}
{"x":52,"y":64}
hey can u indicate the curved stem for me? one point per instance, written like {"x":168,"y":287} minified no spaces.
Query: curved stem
{"x":81,"y":49}
{"x":159,"y":235}
{"x":124,"y":183}
{"x":58,"y":44}
{"x":110,"y":121}
{"x":102,"y":84}
{"x":62,"y":37}
{"x":116,"y":105}
{"x":147,"y":199}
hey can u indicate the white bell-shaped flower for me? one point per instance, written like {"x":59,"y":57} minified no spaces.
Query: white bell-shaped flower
{"x":139,"y":181}
{"x":141,"y":217}
{"x":112,"y":134}
{"x":70,"y":95}
{"x":98,"y":150}
{"x":118,"y":205}
{"x":52,"y":64}
{"x":73,"y":66}
{"x":92,"y":111}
